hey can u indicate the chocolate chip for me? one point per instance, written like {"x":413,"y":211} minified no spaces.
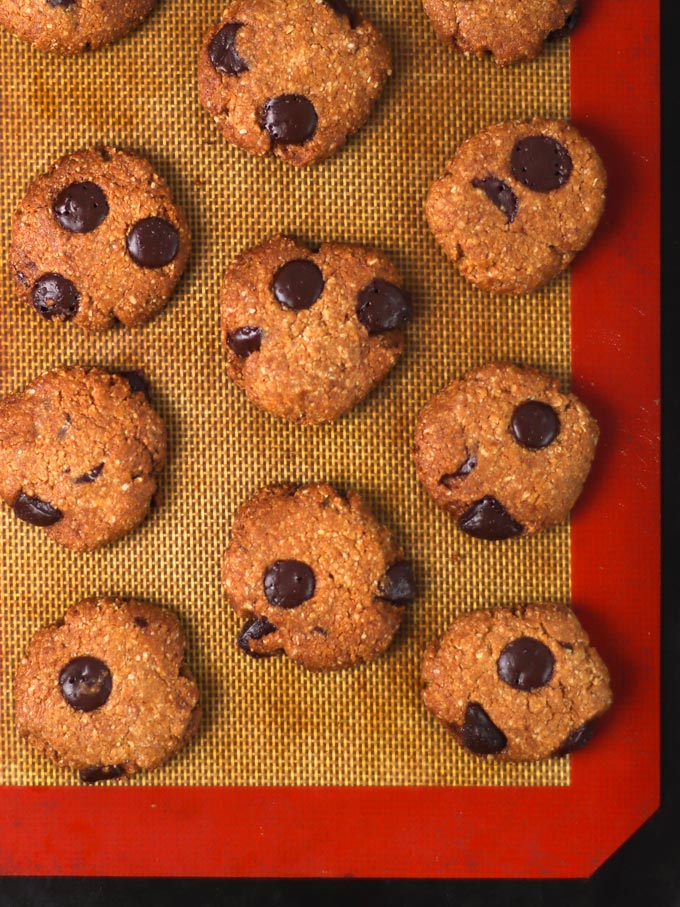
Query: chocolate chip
{"x":94,"y":773}
{"x":255,"y":628}
{"x":35,"y":511}
{"x":141,"y":622}
{"x":298,"y":284}
{"x":540,"y":163}
{"x":578,"y":738}
{"x":500,"y":194}
{"x":321,"y":632}
{"x":81,"y":207}
{"x":569,"y":25}
{"x":535,"y":425}
{"x":85,"y":683}
{"x":478,"y":733}
{"x":223,"y":55}
{"x":525,"y":664}
{"x":64,"y":3}
{"x":341,"y":8}
{"x":398,"y":584}
{"x":138,"y":383}
{"x":90,"y":476}
{"x":463,"y":470}
{"x":244,"y":341}
{"x":153,"y":242}
{"x":488,"y":519}
{"x":54,"y":296}
{"x":290,"y":119}
{"x":382,"y":306}
{"x":287,"y":584}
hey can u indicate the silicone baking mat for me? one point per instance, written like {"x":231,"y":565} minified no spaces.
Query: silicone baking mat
{"x":280,"y":751}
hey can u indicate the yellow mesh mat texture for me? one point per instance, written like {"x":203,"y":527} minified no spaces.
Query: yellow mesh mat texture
{"x":270,"y":722}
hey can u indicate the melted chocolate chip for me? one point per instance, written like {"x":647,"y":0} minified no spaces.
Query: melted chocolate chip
{"x":244,"y":341}
{"x":35,"y":511}
{"x":578,"y":738}
{"x":500,"y":194}
{"x":525,"y":664}
{"x":54,"y":296}
{"x":222,"y":52}
{"x":255,"y":628}
{"x":153,"y":242}
{"x":90,"y":476}
{"x":398,"y":584}
{"x":290,"y":119}
{"x":138,"y":383}
{"x":287,"y":584}
{"x":488,"y":519}
{"x":341,"y":8}
{"x":94,"y":773}
{"x":540,"y":163}
{"x":569,"y":25}
{"x":141,"y":622}
{"x":64,"y":3}
{"x":298,"y":284}
{"x":85,"y":683}
{"x":478,"y":733}
{"x":534,"y":425}
{"x":81,"y":207}
{"x":463,"y":470}
{"x":382,"y":306}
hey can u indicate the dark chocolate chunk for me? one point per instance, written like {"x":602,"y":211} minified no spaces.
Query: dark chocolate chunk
{"x":94,"y":773}
{"x":81,"y":207}
{"x":287,"y":584}
{"x":500,"y":194}
{"x":255,"y":628}
{"x":478,"y":733}
{"x":54,"y":296}
{"x":90,"y":476}
{"x":153,"y":242}
{"x":35,"y":511}
{"x":463,"y":470}
{"x":298,"y":284}
{"x":222,"y":52}
{"x":398,"y":584}
{"x":382,"y":306}
{"x":138,"y":383}
{"x":85,"y":683}
{"x":244,"y":341}
{"x":488,"y":519}
{"x":534,"y":425}
{"x":290,"y":119}
{"x":342,"y":9}
{"x":525,"y":664}
{"x":578,"y":738}
{"x":540,"y":163}
{"x":141,"y":622}
{"x":570,"y":24}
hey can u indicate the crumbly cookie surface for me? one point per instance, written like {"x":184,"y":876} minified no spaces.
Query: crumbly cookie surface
{"x":517,"y":202}
{"x":520,"y":683}
{"x":316,"y":576}
{"x":292,"y":78}
{"x":106,"y":690}
{"x":504,"y":451}
{"x":97,"y":239}
{"x":80,"y":453}
{"x":310,"y":334}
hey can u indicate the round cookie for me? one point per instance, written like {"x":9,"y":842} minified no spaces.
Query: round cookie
{"x":503,"y":451}
{"x":106,"y":690}
{"x":292,"y":78}
{"x":310,"y":334}
{"x":80,"y":453}
{"x":509,"y":30}
{"x":517,"y":202}
{"x":316,"y":576}
{"x":70,"y":26}
{"x":98,"y":239}
{"x":520,"y":683}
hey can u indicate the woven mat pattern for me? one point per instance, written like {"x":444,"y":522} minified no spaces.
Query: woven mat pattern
{"x":270,"y":722}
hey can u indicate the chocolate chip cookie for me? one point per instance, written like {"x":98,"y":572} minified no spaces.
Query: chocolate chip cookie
{"x":520,"y":683}
{"x":504,"y":451}
{"x":309,"y":334}
{"x":80,"y":453}
{"x":98,"y":240}
{"x":517,"y":202}
{"x":316,"y":576}
{"x":106,"y":689}
{"x":70,"y":26}
{"x":509,"y":30}
{"x":292,"y":78}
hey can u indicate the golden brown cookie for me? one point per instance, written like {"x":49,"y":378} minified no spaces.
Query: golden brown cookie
{"x":106,"y":689}
{"x":504,"y":451}
{"x":292,"y":78}
{"x":97,"y":239}
{"x":317,"y":577}
{"x":517,"y":202}
{"x":520,"y":683}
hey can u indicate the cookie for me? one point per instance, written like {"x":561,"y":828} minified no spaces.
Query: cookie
{"x":80,"y":454}
{"x":509,"y":30}
{"x":70,"y":26}
{"x":292,"y":78}
{"x":316,"y":576}
{"x":310,"y":334}
{"x":504,"y":451}
{"x":98,"y":240}
{"x":519,"y":683}
{"x":106,"y":690}
{"x":517,"y":202}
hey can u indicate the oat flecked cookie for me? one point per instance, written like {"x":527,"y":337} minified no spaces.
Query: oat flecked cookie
{"x":80,"y":453}
{"x":106,"y":689}
{"x":504,"y":451}
{"x":509,"y":30}
{"x":292,"y":78}
{"x":316,"y":576}
{"x":519,"y":683}
{"x":517,"y":202}
{"x":70,"y":26}
{"x":97,"y":239}
{"x":310,"y":334}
